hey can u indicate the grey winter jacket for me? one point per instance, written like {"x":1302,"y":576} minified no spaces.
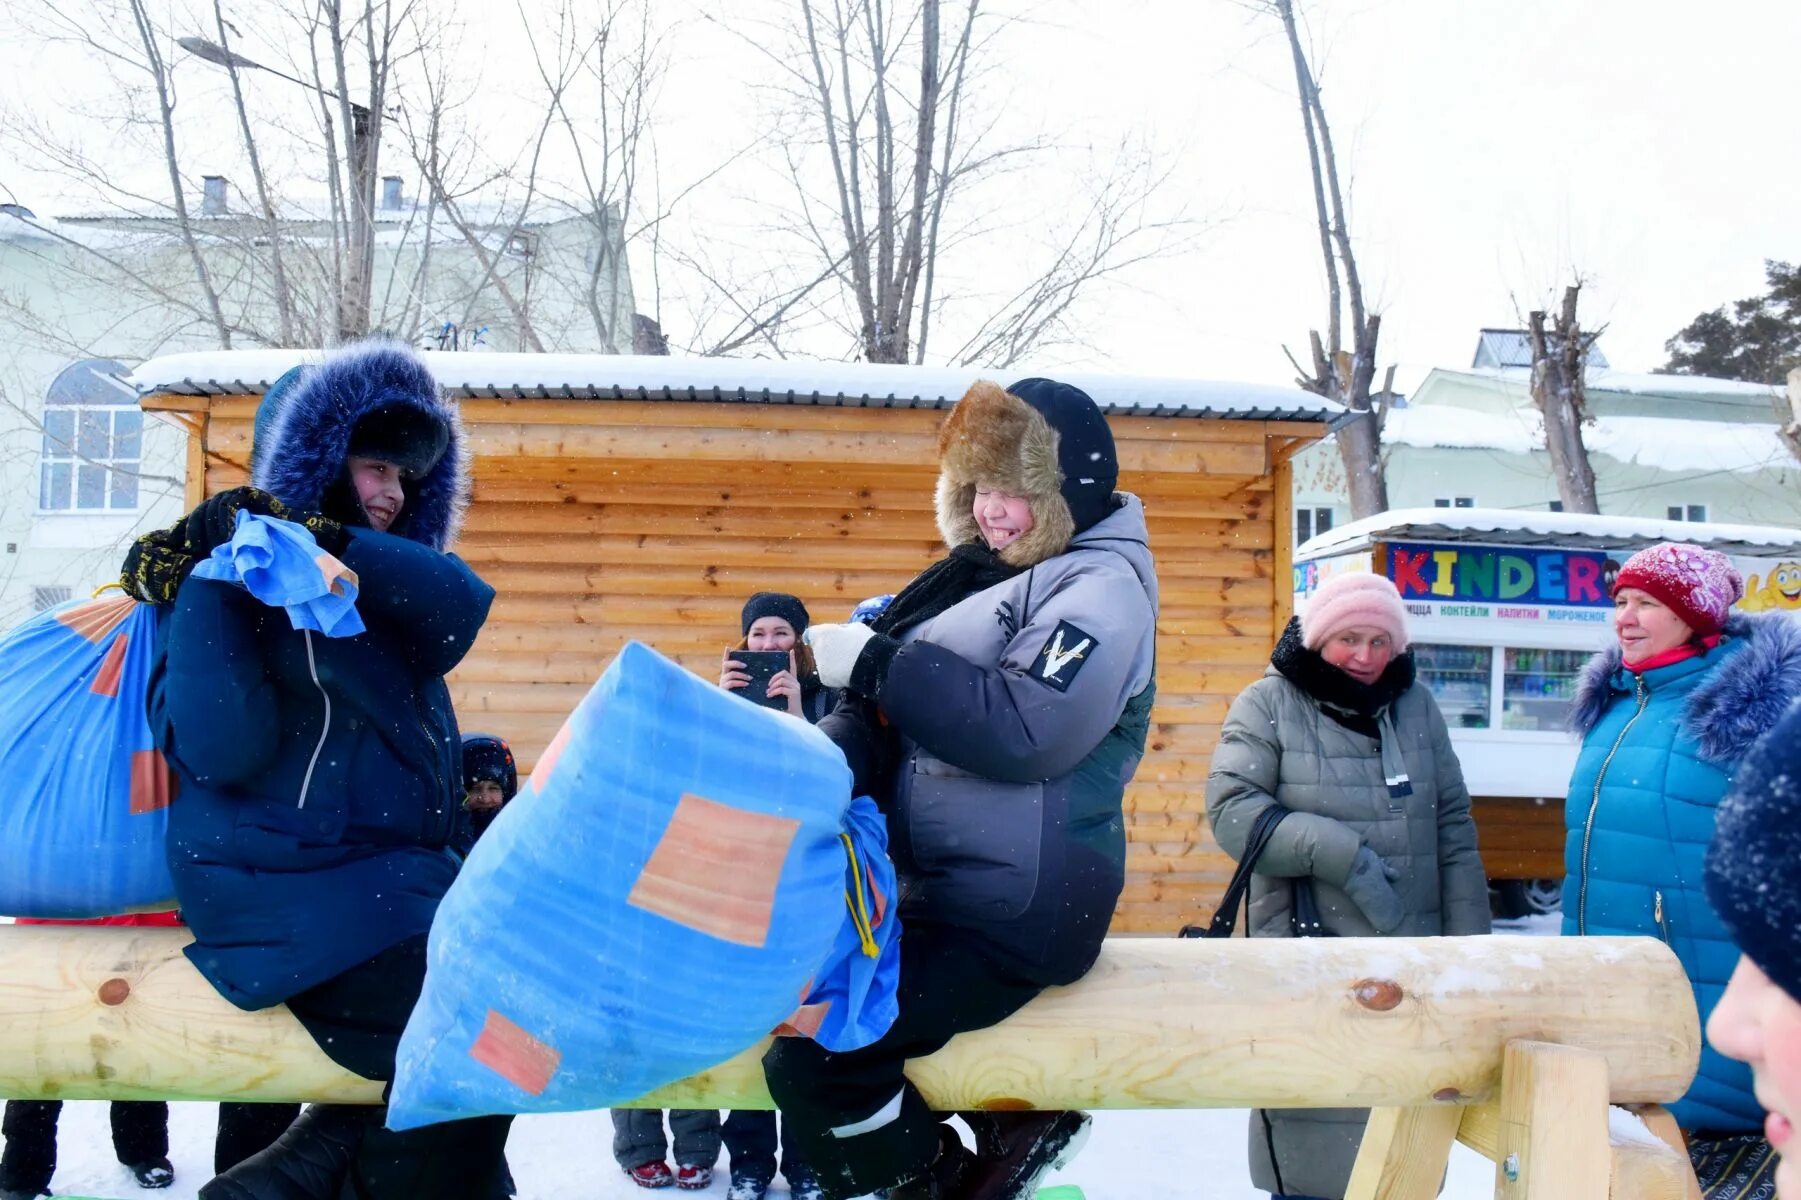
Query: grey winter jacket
{"x":1279,"y":746}
{"x":1022,"y":712}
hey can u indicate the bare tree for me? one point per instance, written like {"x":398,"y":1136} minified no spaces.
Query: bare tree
{"x":1344,"y":377}
{"x":896,"y":167}
{"x":1559,"y":391}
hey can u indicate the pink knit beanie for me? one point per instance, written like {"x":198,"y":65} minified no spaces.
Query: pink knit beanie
{"x":1698,"y":585}
{"x":1345,"y":601}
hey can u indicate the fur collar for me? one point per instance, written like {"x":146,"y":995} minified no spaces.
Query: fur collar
{"x":1330,"y":686}
{"x":1741,"y":696}
{"x":994,"y":437}
{"x":309,"y":438}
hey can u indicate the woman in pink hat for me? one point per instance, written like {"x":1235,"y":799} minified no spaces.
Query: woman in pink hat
{"x":1665,"y":715}
{"x":1377,"y":830}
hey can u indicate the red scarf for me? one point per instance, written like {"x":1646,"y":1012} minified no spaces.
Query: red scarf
{"x":1676,"y":654}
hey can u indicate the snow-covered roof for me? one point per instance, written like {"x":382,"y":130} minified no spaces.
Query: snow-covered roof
{"x":1510,"y":527}
{"x":1624,"y":383}
{"x":1663,"y":443}
{"x":1512,"y":348}
{"x":766,"y":381}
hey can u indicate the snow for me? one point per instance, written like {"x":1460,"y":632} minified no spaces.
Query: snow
{"x":1636,"y":383}
{"x":1511,"y":527}
{"x":794,"y":381}
{"x":1661,"y":443}
{"x":1130,"y":1156}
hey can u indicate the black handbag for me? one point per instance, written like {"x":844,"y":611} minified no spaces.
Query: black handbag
{"x":1305,"y":917}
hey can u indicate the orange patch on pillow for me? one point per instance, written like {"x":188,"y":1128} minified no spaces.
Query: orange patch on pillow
{"x":152,"y":787}
{"x":97,"y":618}
{"x":339,"y":579}
{"x":715,"y":870}
{"x":112,"y":667}
{"x":515,"y":1055}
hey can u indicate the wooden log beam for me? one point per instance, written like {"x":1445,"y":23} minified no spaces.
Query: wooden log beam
{"x":105,"y":1013}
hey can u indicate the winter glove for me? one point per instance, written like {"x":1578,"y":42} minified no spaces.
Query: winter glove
{"x":1371,"y":889}
{"x":835,"y":650}
{"x":215,"y":519}
{"x":158,"y":562}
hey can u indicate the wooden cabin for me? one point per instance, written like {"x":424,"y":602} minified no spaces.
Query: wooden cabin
{"x":623,"y":497}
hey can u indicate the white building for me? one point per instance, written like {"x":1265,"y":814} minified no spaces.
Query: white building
{"x":84,"y":299}
{"x":1671,"y":447}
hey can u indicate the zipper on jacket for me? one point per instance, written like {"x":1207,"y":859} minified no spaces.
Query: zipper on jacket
{"x":446,"y":822}
{"x":1588,"y":825}
{"x":312,"y":668}
{"x":1657,"y":914}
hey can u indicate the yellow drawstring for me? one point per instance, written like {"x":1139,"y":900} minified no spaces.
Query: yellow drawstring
{"x":95,"y":594}
{"x":853,"y":899}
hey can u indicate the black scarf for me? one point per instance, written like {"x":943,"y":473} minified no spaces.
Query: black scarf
{"x":1351,"y":702}
{"x":966,"y":570}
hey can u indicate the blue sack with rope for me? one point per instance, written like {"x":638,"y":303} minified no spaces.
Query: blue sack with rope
{"x":87,"y":793}
{"x":281,"y":564}
{"x":667,"y":822}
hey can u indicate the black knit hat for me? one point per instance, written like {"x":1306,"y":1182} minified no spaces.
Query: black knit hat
{"x":1085,"y":453}
{"x":1754,"y":864}
{"x":489,"y":758}
{"x":775,"y":604}
{"x":401,"y":434}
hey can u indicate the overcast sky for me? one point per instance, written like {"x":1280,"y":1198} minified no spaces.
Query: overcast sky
{"x":1494,"y":147}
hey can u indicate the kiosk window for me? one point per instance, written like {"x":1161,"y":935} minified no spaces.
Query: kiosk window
{"x":1537,"y":687}
{"x":1461,"y":679}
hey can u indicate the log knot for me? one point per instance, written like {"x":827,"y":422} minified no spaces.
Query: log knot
{"x":114,"y":991}
{"x":1378,"y":995}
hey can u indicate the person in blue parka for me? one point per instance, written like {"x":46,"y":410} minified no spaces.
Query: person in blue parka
{"x":321,"y":778}
{"x":1665,"y":716}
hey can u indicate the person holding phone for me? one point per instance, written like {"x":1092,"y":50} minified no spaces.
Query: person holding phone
{"x":773,"y":623}
{"x":771,"y":667}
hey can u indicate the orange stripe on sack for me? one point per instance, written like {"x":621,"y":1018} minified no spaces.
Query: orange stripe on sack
{"x":97,"y":618}
{"x":152,"y":787}
{"x":339,"y":579}
{"x":106,"y":680}
{"x":715,"y":870}
{"x":547,"y":761}
{"x":515,"y":1055}
{"x":804,"y":1021}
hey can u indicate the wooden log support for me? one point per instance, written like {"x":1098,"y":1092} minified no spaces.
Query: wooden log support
{"x":1404,"y":1153}
{"x":1640,"y":1170}
{"x":106,"y":1013}
{"x":1554,"y":1140}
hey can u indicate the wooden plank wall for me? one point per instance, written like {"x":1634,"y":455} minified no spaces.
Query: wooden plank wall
{"x":602,"y":521}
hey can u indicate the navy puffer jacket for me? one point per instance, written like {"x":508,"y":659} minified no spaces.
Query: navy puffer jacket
{"x":320,"y":777}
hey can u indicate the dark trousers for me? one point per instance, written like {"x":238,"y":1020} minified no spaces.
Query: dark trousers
{"x":750,"y":1143}
{"x":638,"y":1136}
{"x":246,"y":1129}
{"x":140,"y":1135}
{"x":357,"y":1019}
{"x":949,"y":985}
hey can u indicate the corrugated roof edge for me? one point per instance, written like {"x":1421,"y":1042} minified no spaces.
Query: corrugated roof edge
{"x":753,"y":381}
{"x":1514,"y":527}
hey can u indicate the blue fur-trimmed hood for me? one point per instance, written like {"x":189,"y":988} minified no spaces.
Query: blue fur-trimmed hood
{"x":310,"y":436}
{"x":1734,"y":705}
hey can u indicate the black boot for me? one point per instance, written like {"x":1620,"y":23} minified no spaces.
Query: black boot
{"x":944,"y":1179}
{"x":1016,"y":1148}
{"x":308,"y":1162}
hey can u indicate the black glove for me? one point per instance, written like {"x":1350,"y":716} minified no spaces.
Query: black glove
{"x":215,"y":519}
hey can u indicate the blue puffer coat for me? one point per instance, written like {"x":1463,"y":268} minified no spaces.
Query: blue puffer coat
{"x":1658,"y":753}
{"x":320,"y":777}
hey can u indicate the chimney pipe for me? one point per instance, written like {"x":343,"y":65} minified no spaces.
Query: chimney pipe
{"x":212,"y":195}
{"x":390,"y":193}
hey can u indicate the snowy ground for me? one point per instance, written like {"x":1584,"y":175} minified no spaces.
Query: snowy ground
{"x":1130,"y":1156}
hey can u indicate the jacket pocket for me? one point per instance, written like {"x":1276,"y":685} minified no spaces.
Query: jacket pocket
{"x":976,"y":843}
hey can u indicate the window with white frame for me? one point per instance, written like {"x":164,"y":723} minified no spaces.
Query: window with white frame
{"x":1686,"y":512}
{"x":1454,"y":502}
{"x":1311,"y":522}
{"x":49,"y":597}
{"x":93,"y":440}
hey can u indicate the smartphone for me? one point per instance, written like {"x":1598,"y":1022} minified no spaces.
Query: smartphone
{"x":761,"y":666}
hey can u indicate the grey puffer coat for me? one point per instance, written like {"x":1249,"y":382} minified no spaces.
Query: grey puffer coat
{"x":1304,"y":737}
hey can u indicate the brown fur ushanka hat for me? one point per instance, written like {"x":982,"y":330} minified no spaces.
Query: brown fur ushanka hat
{"x":1054,"y":449}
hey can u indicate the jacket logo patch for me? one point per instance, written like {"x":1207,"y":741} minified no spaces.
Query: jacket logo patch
{"x":1063,"y":656}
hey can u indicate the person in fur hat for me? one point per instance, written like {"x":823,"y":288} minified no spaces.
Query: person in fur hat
{"x":1339,"y":733}
{"x":996,"y":710}
{"x":1666,"y":714}
{"x":320,"y":778}
{"x":1753,"y":885}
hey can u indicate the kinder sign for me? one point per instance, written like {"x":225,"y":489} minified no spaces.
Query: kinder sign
{"x":1464,"y":575}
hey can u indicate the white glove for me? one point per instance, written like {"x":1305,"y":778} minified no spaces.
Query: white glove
{"x":835,"y":650}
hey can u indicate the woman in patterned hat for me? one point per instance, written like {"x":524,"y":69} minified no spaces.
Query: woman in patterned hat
{"x":1666,"y":714}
